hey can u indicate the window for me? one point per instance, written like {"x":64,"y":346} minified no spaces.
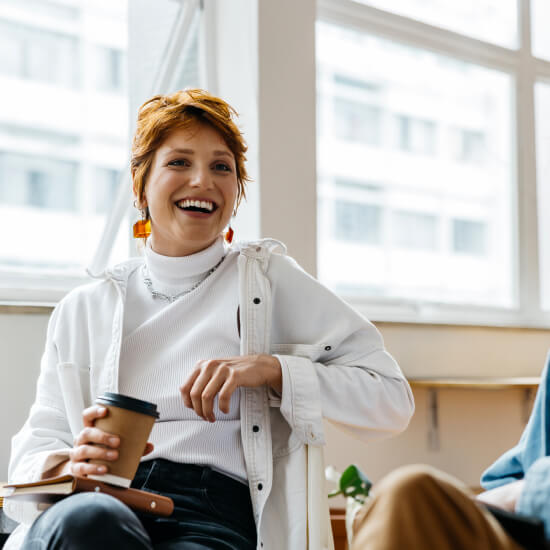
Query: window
{"x":110,"y":69}
{"x":470,"y":146}
{"x":55,"y":129}
{"x":33,"y":53}
{"x":540,"y":10}
{"x":416,"y":136}
{"x":106,"y":181}
{"x":491,"y":20}
{"x":412,"y":230}
{"x":64,"y":130}
{"x":37,"y":183}
{"x":358,"y":222}
{"x":436,"y":133}
{"x":542,"y":105}
{"x":356,"y":121}
{"x":469,"y":237}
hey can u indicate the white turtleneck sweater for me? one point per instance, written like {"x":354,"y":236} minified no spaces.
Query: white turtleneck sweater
{"x":162,"y":343}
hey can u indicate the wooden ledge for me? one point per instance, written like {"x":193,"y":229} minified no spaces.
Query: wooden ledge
{"x":474,"y":383}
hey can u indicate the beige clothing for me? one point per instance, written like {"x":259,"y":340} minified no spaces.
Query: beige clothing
{"x":421,"y":508}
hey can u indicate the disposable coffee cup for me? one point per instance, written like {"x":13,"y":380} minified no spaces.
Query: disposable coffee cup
{"x":132,"y":420}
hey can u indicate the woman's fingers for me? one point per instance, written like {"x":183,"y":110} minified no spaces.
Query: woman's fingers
{"x":97,"y":436}
{"x":91,"y":414}
{"x":84,"y":469}
{"x":211,"y":390}
{"x":149,"y":447}
{"x":229,"y":386}
{"x":205,"y":370}
{"x":186,"y":388}
{"x":87,"y":452}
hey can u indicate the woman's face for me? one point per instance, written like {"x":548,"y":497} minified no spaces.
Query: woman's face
{"x":191,"y":191}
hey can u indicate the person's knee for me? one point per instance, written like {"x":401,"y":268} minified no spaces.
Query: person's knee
{"x":88,"y":514}
{"x":409,"y":483}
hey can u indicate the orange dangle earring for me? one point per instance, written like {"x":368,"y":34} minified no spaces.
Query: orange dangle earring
{"x":228,"y":235}
{"x":142,"y":228}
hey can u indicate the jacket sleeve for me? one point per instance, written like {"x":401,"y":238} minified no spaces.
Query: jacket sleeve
{"x":45,"y":439}
{"x":333,"y":360}
{"x":534,"y":443}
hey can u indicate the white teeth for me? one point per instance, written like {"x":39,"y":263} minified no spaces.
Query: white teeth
{"x":186,"y":203}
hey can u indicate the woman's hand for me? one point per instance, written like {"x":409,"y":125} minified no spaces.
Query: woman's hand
{"x":505,"y":497}
{"x":222,"y":377}
{"x":92,"y":442}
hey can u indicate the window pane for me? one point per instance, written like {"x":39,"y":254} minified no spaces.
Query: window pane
{"x":63,"y":139}
{"x":415,"y":169}
{"x":542,"y":104}
{"x":540,"y":16}
{"x":491,"y":20}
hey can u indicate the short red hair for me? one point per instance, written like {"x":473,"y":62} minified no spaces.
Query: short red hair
{"x":162,"y":114}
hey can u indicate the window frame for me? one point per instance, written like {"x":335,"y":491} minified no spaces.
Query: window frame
{"x":45,"y":288}
{"x":525,"y":70}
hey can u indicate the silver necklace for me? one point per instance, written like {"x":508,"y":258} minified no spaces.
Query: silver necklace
{"x":171,"y":298}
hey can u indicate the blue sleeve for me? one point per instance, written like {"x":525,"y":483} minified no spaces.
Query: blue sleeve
{"x":533,"y":444}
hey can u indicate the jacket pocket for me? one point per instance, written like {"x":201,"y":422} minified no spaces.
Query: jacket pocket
{"x":283,"y":438}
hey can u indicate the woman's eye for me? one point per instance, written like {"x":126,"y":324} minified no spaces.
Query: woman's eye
{"x":222,"y":166}
{"x":178,"y":162}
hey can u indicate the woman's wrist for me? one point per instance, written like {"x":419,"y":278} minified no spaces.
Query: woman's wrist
{"x":274,"y":374}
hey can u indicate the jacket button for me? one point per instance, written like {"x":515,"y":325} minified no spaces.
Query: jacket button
{"x":260,"y":486}
{"x":256,"y":301}
{"x":255,"y":428}
{"x":328,"y":348}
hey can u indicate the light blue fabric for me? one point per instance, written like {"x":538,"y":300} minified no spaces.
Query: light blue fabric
{"x":529,"y":459}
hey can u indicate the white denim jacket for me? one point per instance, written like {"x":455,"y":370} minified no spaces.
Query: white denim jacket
{"x":334,"y":365}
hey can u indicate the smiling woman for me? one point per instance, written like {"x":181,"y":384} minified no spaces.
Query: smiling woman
{"x":242,"y":351}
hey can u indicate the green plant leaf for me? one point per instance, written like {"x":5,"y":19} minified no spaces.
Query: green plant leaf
{"x":354,"y":483}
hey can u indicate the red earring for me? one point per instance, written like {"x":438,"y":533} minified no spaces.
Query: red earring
{"x":229,"y":235}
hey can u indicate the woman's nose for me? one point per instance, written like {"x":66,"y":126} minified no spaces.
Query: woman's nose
{"x":200,"y":177}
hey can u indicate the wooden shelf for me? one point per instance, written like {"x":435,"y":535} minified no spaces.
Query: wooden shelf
{"x":474,"y":383}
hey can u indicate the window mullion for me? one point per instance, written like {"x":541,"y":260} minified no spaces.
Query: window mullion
{"x":527,"y":254}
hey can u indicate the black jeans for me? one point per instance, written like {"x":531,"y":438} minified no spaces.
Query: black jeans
{"x":211,"y":512}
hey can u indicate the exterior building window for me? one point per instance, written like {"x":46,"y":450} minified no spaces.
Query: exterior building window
{"x":36,"y":182}
{"x":414,"y":231}
{"x":110,"y":69}
{"x":105,"y":186}
{"x":472,"y":146}
{"x":356,"y":222}
{"x":356,"y":121}
{"x":38,"y":54}
{"x":470,"y":237}
{"x":416,"y":136}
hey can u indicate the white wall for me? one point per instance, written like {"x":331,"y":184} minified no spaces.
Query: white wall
{"x":22,"y":341}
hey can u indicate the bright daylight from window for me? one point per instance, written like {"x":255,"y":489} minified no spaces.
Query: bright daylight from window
{"x":416,"y":171}
{"x":63,"y":130}
{"x":490,"y":20}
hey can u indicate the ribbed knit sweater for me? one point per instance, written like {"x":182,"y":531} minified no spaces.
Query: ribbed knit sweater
{"x":162,"y":343}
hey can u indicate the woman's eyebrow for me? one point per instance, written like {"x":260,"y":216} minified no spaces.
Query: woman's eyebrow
{"x":191,"y":152}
